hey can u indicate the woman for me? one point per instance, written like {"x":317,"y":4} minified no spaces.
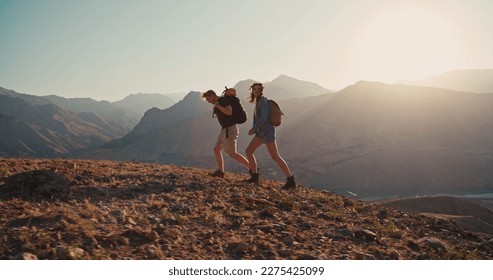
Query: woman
{"x":264,"y":134}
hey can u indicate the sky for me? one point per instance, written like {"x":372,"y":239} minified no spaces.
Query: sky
{"x":108,"y":49}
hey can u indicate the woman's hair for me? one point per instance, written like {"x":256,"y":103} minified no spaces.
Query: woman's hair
{"x":252,"y":98}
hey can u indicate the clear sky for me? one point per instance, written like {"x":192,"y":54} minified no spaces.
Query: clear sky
{"x":107,"y":49}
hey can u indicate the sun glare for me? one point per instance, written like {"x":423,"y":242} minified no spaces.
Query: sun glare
{"x":404,"y":44}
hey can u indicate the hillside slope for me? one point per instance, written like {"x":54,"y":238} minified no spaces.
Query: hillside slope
{"x":126,"y":210}
{"x":463,"y":211}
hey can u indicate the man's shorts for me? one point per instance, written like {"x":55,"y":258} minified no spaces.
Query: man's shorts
{"x":228,"y":143}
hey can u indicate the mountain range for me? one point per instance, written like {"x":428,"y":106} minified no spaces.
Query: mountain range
{"x":186,"y":132}
{"x":370,"y":139}
{"x":378,"y":139}
{"x":49,"y":126}
{"x":468,"y":80}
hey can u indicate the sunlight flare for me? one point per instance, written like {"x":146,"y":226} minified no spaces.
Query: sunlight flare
{"x":404,"y":44}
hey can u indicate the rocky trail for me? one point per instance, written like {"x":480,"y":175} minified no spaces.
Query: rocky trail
{"x":82,"y":209}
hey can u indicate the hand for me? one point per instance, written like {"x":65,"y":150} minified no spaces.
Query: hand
{"x":251,"y":131}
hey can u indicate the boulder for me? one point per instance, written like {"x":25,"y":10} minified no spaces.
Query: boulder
{"x":37,"y":183}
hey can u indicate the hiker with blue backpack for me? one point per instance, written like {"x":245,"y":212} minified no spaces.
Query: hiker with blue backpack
{"x":229,"y":113}
{"x":264,"y":133}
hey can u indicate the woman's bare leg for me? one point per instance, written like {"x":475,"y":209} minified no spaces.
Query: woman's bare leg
{"x":252,"y":147}
{"x":274,"y":153}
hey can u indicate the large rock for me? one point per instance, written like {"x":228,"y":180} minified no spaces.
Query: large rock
{"x":37,"y":183}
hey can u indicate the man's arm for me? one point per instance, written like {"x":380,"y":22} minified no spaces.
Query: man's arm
{"x":224,"y":105}
{"x":228,"y":110}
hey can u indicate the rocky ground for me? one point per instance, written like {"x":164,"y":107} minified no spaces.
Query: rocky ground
{"x":80,"y":209}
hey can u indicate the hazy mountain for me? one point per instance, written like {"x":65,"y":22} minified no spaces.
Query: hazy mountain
{"x":243,"y":89}
{"x":282,"y":88}
{"x":186,"y":132}
{"x":169,"y":127}
{"x":176,"y":96}
{"x":121,"y":116}
{"x":471,"y":80}
{"x":21,"y":139}
{"x":101,"y":122}
{"x":47,"y":130}
{"x":187,"y":141}
{"x":31,"y":99}
{"x":375,"y":139}
{"x":301,"y":88}
{"x":155,"y":118}
{"x":372,"y":139}
{"x":141,"y":102}
{"x":122,"y":119}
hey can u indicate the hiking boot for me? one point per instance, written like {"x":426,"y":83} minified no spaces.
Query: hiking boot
{"x":253,"y":179}
{"x":217,"y":173}
{"x":290,"y":184}
{"x":251,"y":173}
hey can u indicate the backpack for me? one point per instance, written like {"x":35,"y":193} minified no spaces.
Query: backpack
{"x":275,"y":114}
{"x":239,"y":114}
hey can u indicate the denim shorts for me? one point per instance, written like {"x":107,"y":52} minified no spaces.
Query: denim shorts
{"x":267,"y":133}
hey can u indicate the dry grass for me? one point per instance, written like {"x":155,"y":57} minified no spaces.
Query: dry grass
{"x":128,"y":210}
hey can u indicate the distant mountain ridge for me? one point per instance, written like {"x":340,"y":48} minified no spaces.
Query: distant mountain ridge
{"x":51,"y":126}
{"x":57,"y":131}
{"x":282,"y":88}
{"x":141,"y":102}
{"x":186,"y":132}
{"x":378,"y":139}
{"x":121,"y":119}
{"x":302,"y":88}
{"x":468,"y":80}
{"x":154,"y":118}
{"x":372,"y":139}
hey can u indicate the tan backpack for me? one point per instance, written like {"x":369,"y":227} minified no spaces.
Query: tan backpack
{"x":275,"y":114}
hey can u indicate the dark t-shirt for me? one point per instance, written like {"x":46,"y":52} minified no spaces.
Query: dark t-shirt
{"x":224,"y":120}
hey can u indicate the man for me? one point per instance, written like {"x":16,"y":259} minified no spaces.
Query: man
{"x":228,"y":136}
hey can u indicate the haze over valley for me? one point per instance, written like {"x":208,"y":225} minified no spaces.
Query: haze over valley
{"x":370,"y":139}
